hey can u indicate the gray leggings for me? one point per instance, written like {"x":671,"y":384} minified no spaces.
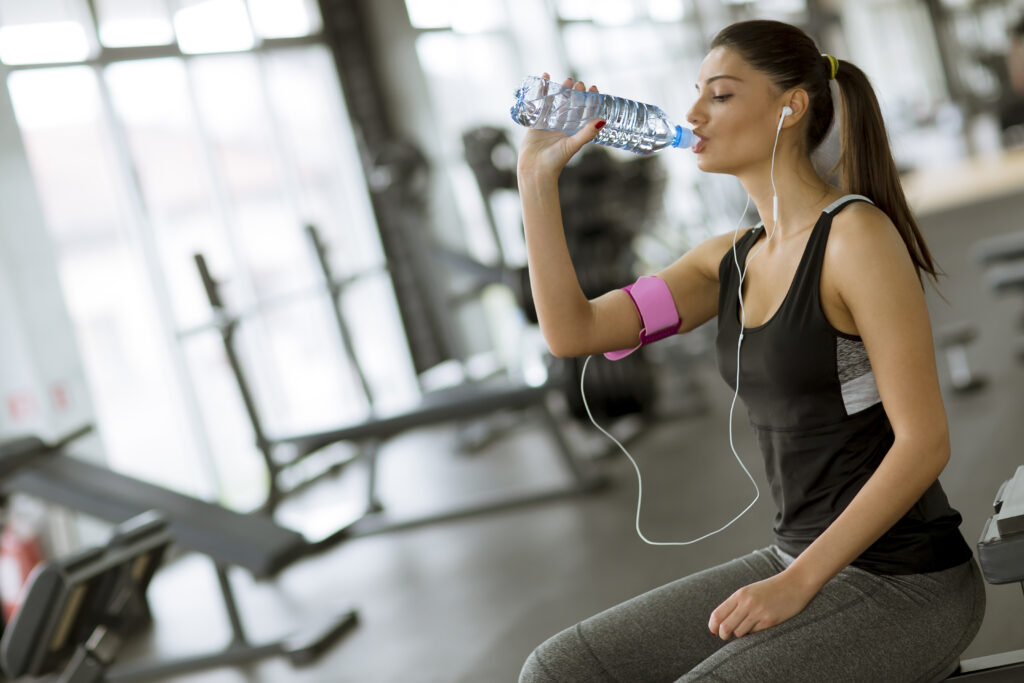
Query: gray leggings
{"x":861,"y":627}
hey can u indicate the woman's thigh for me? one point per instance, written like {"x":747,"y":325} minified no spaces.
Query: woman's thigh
{"x":861,"y":628}
{"x":657,"y":636}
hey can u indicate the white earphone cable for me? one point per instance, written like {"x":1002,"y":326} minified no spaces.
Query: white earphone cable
{"x":739,"y":343}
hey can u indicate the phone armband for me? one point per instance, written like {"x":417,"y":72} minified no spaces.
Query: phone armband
{"x":658,"y":316}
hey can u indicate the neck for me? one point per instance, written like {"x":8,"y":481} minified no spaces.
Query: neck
{"x":801,"y":191}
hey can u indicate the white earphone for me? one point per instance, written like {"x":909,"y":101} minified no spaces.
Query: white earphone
{"x":786,"y":111}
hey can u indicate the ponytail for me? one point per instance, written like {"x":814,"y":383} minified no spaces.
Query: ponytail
{"x":866,"y":165}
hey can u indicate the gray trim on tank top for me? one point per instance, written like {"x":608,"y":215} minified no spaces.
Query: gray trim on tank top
{"x":842,"y":200}
{"x":831,"y":207}
{"x":856,"y":380}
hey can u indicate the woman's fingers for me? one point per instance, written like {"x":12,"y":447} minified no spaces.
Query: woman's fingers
{"x":588,"y":132}
{"x":570,"y":82}
{"x":748,"y":625}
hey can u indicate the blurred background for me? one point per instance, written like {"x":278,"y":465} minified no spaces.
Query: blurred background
{"x":346,"y":170}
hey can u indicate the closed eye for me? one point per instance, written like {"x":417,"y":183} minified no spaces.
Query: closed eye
{"x":721,"y":98}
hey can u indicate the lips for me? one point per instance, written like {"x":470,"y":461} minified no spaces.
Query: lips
{"x":699,"y":147}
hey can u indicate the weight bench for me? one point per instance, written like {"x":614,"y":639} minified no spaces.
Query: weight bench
{"x":467,"y":401}
{"x":229,"y":538}
{"x":1001,"y":555}
{"x":435,"y":408}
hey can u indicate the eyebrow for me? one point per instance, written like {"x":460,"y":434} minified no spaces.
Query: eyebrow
{"x":715,"y":78}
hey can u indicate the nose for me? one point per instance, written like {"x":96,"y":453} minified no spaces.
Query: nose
{"x":694,"y":116}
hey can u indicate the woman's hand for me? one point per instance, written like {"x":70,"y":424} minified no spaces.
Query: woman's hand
{"x":759,"y":606}
{"x":543,"y":153}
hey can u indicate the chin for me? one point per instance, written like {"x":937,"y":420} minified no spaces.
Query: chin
{"x":710,"y":166}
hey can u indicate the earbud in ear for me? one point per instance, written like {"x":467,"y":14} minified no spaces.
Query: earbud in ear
{"x":786,"y":111}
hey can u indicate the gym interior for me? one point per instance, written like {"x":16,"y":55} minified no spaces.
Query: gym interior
{"x":274,"y":403}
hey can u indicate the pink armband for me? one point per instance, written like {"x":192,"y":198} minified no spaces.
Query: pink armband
{"x":657,"y":309}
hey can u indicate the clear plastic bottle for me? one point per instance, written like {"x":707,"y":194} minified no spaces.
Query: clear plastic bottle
{"x":632,"y":126}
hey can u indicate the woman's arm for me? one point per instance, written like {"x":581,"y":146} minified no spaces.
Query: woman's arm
{"x":566,"y":317}
{"x":878,"y":284}
{"x":871,"y":271}
{"x":571,"y":324}
{"x":575,"y":326}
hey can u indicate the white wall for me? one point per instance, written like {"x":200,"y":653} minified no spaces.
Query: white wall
{"x":42,"y":383}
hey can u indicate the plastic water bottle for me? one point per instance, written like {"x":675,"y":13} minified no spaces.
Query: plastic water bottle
{"x":632,"y":126}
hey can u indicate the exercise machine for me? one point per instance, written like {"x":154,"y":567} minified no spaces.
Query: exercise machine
{"x":478,"y":399}
{"x":1001,"y":555}
{"x":77,"y":611}
{"x":230,"y":539}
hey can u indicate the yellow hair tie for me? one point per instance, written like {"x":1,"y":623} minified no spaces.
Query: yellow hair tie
{"x":833,"y":65}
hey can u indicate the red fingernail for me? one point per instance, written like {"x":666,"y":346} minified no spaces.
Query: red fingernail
{"x":600,"y":124}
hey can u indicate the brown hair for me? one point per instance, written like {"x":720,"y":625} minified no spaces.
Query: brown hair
{"x":791,"y":59}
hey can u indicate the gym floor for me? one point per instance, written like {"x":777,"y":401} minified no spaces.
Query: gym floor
{"x":465,"y":601}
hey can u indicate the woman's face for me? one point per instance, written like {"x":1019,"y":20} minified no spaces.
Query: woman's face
{"x":736,"y":114}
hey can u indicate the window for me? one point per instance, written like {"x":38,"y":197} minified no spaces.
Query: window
{"x":185,"y":128}
{"x":131,"y":23}
{"x":108,"y":291}
{"x":641,"y":49}
{"x":45,"y":32}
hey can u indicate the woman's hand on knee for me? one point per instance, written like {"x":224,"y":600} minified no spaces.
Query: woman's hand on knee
{"x":759,"y":606}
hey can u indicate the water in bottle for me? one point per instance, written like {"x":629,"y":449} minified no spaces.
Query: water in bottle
{"x":633,"y":126}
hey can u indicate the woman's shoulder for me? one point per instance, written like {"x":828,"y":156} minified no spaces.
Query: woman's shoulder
{"x":864,"y":242}
{"x":863,"y":227}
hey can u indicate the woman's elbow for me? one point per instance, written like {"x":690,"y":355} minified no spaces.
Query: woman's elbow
{"x":561,"y":348}
{"x":940,"y":443}
{"x":566,"y":339}
{"x":943,"y":449}
{"x":929,"y":447}
{"x":936,"y":445}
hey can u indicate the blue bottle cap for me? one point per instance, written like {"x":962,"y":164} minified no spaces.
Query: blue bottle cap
{"x":679,"y":137}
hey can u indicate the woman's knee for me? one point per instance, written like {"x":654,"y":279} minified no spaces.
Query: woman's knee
{"x":533,"y":671}
{"x":563,"y":658}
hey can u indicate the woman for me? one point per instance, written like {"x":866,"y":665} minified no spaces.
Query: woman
{"x":869,"y":578}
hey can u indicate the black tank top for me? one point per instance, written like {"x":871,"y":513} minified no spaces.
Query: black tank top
{"x":812,"y":400}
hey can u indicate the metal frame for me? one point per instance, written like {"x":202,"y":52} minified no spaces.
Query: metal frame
{"x":301,"y":648}
{"x":443,"y":406}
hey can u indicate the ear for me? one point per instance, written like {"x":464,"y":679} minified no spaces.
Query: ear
{"x":798,"y":101}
